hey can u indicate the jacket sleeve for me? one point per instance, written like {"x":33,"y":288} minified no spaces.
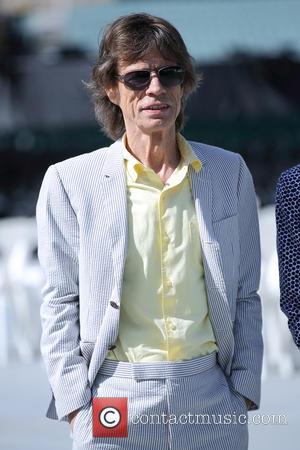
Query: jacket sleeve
{"x":248,"y":352}
{"x":58,"y":246}
{"x":288,"y":247}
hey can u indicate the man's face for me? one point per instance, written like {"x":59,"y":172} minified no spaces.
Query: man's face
{"x":135,"y":105}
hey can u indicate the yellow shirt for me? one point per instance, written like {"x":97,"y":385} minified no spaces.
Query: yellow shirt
{"x":163,"y":311}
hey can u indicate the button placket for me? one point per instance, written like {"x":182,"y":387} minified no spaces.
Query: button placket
{"x":167,"y":284}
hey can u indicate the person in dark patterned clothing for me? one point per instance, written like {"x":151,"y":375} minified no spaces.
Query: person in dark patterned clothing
{"x":288,"y":246}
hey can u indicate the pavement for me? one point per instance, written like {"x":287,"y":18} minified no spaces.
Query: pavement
{"x":25,"y":395}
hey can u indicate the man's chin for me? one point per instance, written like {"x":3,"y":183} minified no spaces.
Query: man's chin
{"x":155,"y":125}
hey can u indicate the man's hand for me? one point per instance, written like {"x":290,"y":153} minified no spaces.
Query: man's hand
{"x":249,"y":403}
{"x":71,"y":417}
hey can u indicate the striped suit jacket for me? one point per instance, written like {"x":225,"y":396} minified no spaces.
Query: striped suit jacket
{"x":82,"y":242}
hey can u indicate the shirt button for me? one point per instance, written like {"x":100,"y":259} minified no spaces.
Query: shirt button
{"x":167,"y":238}
{"x":170,"y":324}
{"x":114,"y":305}
{"x":169,"y":282}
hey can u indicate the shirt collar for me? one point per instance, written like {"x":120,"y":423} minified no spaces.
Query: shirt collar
{"x":187,"y":153}
{"x":134,"y":166}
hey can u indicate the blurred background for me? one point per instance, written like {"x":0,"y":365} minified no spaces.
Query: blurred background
{"x":249,"y":102}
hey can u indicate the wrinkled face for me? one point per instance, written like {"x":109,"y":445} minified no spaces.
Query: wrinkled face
{"x":138,"y":106}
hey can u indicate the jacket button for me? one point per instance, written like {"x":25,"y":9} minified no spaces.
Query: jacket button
{"x":114,"y":305}
{"x":112,"y":347}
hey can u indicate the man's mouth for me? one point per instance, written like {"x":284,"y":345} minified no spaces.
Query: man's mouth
{"x":156,"y":107}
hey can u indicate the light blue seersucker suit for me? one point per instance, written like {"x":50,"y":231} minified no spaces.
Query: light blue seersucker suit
{"x":82,"y":237}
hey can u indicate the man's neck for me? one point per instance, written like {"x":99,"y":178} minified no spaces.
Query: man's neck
{"x":157,"y":151}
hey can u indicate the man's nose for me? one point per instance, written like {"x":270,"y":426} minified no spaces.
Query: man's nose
{"x":155,"y":85}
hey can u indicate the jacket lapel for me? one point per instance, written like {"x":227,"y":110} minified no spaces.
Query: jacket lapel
{"x":202,"y":193}
{"x":219,"y":310}
{"x":115,"y":209}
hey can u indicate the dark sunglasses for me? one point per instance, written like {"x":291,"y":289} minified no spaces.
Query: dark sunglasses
{"x":168,"y":76}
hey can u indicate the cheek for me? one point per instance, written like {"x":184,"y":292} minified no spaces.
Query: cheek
{"x":130,"y":107}
{"x":178,"y":104}
{"x":177,"y":98}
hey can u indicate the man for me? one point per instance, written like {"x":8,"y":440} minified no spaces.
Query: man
{"x":288,"y":248}
{"x":150,"y":249}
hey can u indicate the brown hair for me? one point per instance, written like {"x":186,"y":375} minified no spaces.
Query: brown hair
{"x":128,"y":39}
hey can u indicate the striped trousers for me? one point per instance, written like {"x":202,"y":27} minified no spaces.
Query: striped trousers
{"x":172,"y":405}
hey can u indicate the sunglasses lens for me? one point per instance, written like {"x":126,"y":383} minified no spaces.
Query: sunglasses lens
{"x":171,"y":76}
{"x":140,"y":79}
{"x":137,"y":80}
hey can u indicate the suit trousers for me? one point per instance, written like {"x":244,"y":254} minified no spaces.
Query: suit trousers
{"x":172,"y":405}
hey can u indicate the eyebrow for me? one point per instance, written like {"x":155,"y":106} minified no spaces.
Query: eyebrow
{"x":155,"y":67}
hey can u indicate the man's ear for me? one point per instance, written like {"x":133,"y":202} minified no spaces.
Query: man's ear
{"x":112,"y":93}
